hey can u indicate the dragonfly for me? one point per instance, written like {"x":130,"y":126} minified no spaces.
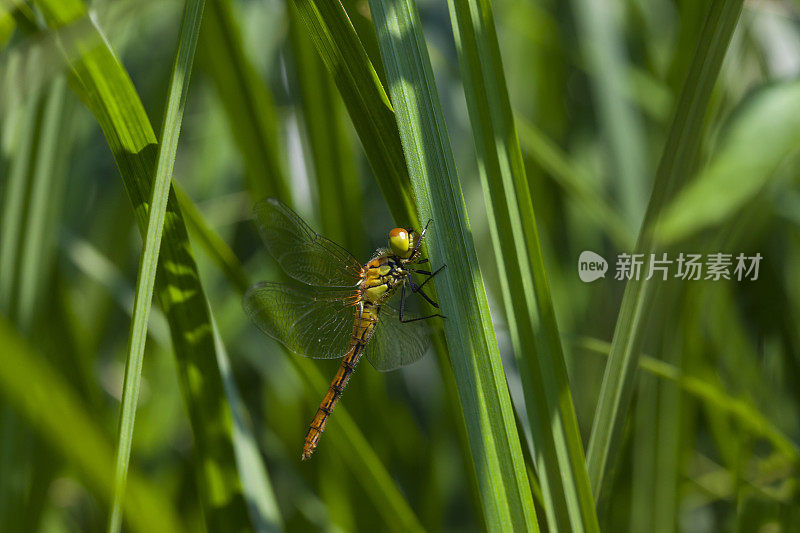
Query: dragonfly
{"x":340,"y":307}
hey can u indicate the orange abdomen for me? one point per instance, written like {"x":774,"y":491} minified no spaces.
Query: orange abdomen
{"x":363,"y":326}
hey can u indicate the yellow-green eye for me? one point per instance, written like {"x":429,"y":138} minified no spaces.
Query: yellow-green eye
{"x":400,"y":242}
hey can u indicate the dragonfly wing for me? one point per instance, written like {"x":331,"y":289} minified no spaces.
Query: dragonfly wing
{"x":394,"y":343}
{"x":300,"y":251}
{"x":314,"y":323}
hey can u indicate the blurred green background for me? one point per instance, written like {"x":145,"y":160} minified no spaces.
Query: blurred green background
{"x":711,"y":440}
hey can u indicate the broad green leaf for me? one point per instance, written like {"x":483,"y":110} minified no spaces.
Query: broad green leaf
{"x":763,"y":131}
{"x":560,"y":461}
{"x":502,"y":478}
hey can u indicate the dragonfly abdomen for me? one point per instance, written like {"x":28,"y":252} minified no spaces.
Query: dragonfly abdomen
{"x":362,"y":330}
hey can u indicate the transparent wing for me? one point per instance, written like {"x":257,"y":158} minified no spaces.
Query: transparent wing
{"x":313,"y":323}
{"x":395,"y":344}
{"x":300,"y":251}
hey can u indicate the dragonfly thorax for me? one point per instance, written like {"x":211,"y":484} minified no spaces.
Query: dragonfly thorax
{"x":383,"y":275}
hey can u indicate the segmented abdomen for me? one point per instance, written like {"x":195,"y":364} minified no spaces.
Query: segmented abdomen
{"x":363,"y":326}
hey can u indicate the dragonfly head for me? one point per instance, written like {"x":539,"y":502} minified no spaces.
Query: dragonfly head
{"x":401,"y":242}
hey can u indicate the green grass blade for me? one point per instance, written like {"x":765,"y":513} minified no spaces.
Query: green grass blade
{"x":7,"y":25}
{"x":674,"y":169}
{"x":560,"y":461}
{"x":371,"y":113}
{"x":623,"y":131}
{"x":54,"y":410}
{"x":28,"y":235}
{"x":365,"y":98}
{"x":644,"y":442}
{"x":46,"y":194}
{"x":503,"y":480}
{"x":146,"y":279}
{"x":20,"y":152}
{"x":103,"y":84}
{"x":247,"y":101}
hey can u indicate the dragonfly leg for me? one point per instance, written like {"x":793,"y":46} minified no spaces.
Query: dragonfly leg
{"x":417,"y":289}
{"x":421,"y":318}
{"x":420,"y":239}
{"x":403,"y":306}
{"x":427,"y":273}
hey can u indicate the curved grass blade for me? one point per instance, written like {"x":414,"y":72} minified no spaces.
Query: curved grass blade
{"x":560,"y":462}
{"x":255,"y":482}
{"x":146,"y":279}
{"x":99,"y":79}
{"x":673,"y":170}
{"x":503,"y":481}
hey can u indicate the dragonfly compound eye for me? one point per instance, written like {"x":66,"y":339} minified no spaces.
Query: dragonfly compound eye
{"x":400,"y":242}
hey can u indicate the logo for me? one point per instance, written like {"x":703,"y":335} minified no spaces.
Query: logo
{"x":591,"y":266}
{"x":686,"y":266}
